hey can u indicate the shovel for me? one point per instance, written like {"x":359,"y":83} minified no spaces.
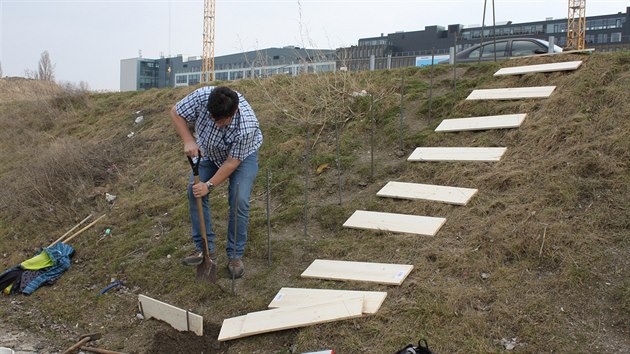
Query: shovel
{"x":83,"y":340}
{"x":207,"y":270}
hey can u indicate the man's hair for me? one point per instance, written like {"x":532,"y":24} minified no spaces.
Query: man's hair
{"x":222,"y":102}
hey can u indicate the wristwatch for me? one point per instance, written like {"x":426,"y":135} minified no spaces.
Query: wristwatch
{"x":210,"y":185}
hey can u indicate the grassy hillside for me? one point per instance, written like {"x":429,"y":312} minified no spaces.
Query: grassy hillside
{"x":548,"y":229}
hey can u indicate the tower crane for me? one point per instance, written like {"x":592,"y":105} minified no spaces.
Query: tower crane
{"x":207,"y":63}
{"x":576,"y":26}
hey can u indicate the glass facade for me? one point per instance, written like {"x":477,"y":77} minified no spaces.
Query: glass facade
{"x":605,"y":23}
{"x":194,"y":79}
{"x":147,"y":74}
{"x":373,"y":41}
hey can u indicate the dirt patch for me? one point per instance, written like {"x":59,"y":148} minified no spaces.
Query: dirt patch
{"x":169,"y":341}
{"x":22,"y":342}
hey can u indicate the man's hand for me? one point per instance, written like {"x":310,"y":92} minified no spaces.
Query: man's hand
{"x":190,"y":145}
{"x":191,"y":148}
{"x":200,"y":190}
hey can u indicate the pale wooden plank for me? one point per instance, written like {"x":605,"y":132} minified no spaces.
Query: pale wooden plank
{"x":512,"y":93}
{"x":577,"y":51}
{"x":457,"y":154}
{"x":231,"y":328}
{"x":445,"y":194}
{"x":412,"y":224}
{"x":294,"y":317}
{"x":540,"y":68}
{"x":382,"y":273}
{"x":372,"y":300}
{"x":170,"y":314}
{"x":481,"y":123}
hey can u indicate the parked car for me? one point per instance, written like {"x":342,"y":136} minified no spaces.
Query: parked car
{"x":505,"y":48}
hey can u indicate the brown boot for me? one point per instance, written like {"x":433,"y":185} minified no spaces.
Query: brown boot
{"x":236,"y":268}
{"x":196,"y":258}
{"x":193,"y":259}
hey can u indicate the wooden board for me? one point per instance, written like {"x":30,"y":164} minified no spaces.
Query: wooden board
{"x":412,"y":224}
{"x":294,"y":317}
{"x":540,"y":68}
{"x":372,"y":300}
{"x":457,"y":154}
{"x":172,"y":315}
{"x":449,"y":195}
{"x":382,"y":273}
{"x":481,"y":123}
{"x":290,"y":317}
{"x":231,"y":328}
{"x":576,"y":51}
{"x":512,"y":93}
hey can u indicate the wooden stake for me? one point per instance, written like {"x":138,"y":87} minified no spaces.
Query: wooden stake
{"x":372,"y":137}
{"x":69,"y":231}
{"x":83,"y":229}
{"x":235,"y":234}
{"x":543,"y":243}
{"x":431,"y":84}
{"x":268,"y":217}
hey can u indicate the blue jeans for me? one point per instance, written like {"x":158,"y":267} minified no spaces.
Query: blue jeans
{"x":243,"y":176}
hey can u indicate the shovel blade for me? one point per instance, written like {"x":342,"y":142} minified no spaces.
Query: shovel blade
{"x":207,"y":271}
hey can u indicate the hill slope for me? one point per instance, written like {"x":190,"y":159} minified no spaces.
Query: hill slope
{"x":548,"y":229}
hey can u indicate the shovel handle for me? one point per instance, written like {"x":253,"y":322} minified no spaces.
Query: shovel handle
{"x":202,"y":226}
{"x":98,"y":350}
{"x":77,"y":346}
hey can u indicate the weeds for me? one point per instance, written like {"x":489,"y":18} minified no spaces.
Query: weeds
{"x":548,"y":226}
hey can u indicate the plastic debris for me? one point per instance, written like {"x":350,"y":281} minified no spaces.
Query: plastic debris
{"x":509,"y":344}
{"x":112,"y":285}
{"x":110,"y":197}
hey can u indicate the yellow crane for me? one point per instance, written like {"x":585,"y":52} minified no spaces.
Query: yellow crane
{"x":207,"y":63}
{"x":576,"y":27}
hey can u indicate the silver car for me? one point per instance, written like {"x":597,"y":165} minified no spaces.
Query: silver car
{"x":505,"y":48}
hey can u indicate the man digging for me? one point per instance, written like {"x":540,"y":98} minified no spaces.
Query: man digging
{"x":228,"y":138}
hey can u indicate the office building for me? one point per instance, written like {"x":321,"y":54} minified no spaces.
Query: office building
{"x":603,"y":33}
{"x":401,"y":49}
{"x":143,"y":74}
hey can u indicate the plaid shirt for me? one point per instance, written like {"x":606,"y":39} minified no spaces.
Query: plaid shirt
{"x":241,"y":138}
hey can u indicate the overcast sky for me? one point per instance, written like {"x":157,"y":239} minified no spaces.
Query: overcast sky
{"x":87,"y":39}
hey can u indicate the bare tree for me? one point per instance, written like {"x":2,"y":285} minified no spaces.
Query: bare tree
{"x":30,"y":74}
{"x":46,"y":68}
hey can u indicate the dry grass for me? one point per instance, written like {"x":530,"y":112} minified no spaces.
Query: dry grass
{"x":548,"y":228}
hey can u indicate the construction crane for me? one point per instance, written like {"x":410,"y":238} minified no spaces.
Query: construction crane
{"x":576,"y":27}
{"x":207,"y":63}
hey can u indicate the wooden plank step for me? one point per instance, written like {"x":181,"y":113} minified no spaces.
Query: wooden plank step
{"x":290,"y":317}
{"x":481,"y":123}
{"x":372,"y":300}
{"x":512,"y":93}
{"x":231,"y":328}
{"x":293,"y":317}
{"x":457,"y":154}
{"x":449,"y":195}
{"x":540,"y":68}
{"x":176,"y":317}
{"x":413,"y":224}
{"x":382,"y":273}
